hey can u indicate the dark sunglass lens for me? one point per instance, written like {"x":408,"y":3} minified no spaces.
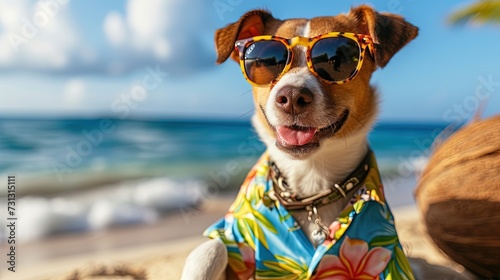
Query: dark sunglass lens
{"x":335,"y":59}
{"x":264,"y":61}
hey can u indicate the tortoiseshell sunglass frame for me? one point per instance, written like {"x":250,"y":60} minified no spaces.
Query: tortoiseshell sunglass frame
{"x":363,"y":41}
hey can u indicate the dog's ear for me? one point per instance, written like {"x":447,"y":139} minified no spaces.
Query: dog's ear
{"x":251,"y":24}
{"x":389,"y":32}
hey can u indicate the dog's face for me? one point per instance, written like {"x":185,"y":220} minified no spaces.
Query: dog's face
{"x":300,"y":112}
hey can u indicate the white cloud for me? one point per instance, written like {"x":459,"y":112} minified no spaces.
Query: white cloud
{"x":39,"y":36}
{"x":161,"y":31}
{"x":162,"y":49}
{"x":155,"y":25}
{"x":114,"y":28}
{"x":42,"y":36}
{"x":74,"y":92}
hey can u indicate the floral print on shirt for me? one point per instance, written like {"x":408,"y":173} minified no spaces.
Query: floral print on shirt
{"x":265,"y":242}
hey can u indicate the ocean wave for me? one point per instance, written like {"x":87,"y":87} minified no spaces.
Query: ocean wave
{"x":130,"y":202}
{"x":402,"y":166}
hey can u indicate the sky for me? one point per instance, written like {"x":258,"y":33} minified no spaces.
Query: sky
{"x":156,"y":59}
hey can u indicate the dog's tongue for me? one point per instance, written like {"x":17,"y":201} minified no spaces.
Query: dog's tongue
{"x":294,"y":136}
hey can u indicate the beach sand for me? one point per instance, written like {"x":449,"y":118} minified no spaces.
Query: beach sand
{"x":158,"y":251}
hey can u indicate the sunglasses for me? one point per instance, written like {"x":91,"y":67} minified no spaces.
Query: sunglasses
{"x":334,"y":57}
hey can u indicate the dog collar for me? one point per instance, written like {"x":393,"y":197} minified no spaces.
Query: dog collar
{"x":339,"y":190}
{"x":291,"y":201}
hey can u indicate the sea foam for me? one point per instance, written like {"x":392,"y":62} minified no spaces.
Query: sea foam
{"x":131,"y":202}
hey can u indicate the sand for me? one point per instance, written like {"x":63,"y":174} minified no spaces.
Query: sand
{"x":158,"y":251}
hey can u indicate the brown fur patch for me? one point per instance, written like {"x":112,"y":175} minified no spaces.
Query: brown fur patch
{"x":389,"y":32}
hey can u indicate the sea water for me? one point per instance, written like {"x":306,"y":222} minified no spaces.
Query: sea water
{"x":78,"y":175}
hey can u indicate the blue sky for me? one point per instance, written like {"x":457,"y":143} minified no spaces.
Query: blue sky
{"x":87,"y":58}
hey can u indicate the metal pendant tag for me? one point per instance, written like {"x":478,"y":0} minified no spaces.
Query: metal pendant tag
{"x":318,"y":235}
{"x":321,"y":232}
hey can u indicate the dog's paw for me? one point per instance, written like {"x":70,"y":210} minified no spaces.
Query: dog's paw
{"x":206,"y":262}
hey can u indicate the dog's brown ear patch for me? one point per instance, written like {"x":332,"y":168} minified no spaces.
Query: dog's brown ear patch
{"x":251,"y":24}
{"x":389,"y":32}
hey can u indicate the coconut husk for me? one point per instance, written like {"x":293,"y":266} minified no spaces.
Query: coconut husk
{"x":459,"y":196}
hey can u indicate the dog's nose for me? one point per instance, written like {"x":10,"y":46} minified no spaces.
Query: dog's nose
{"x":294,"y":100}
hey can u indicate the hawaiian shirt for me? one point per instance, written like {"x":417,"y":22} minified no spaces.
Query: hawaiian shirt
{"x":265,"y":242}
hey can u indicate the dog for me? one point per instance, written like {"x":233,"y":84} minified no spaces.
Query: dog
{"x":313,"y":206}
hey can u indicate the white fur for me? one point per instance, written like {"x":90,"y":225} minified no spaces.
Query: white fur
{"x":300,"y":51}
{"x":336,"y":157}
{"x":299,"y":77}
{"x":331,"y":163}
{"x":206,"y":262}
{"x":334,"y":160}
{"x":307,"y":29}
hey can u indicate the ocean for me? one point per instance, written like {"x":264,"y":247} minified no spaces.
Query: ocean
{"x":77,"y":175}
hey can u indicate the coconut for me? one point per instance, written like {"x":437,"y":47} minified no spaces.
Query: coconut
{"x":459,"y":195}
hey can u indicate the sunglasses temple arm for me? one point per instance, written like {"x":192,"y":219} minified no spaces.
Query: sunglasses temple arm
{"x":372,"y":51}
